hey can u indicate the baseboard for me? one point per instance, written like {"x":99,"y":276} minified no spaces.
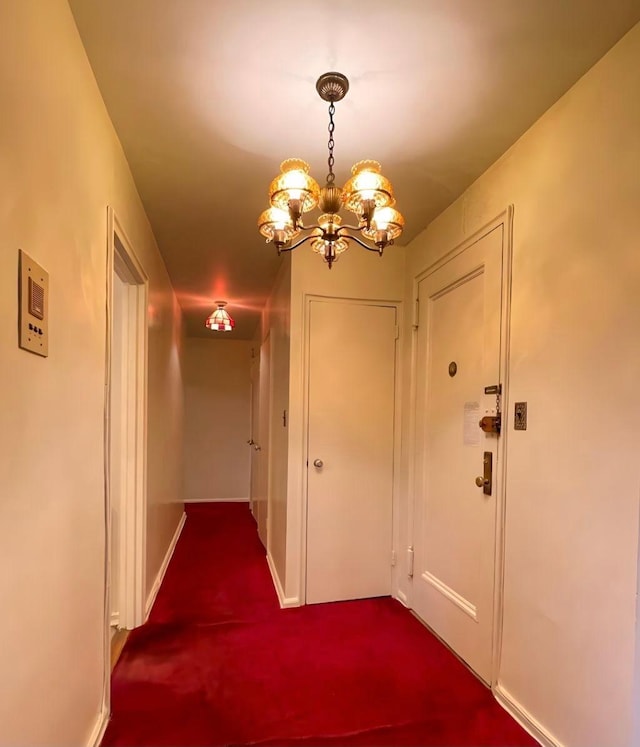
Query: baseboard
{"x":524,"y":718}
{"x":165,"y":564}
{"x":217,"y":500}
{"x":97,"y":733}
{"x":284,"y":601}
{"x":402,"y":598}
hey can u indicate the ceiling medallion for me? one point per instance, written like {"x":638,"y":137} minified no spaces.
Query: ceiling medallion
{"x":219,"y":320}
{"x":367,"y":193}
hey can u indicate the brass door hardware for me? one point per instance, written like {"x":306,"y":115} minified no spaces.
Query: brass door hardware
{"x":491,"y":423}
{"x":486,"y":481}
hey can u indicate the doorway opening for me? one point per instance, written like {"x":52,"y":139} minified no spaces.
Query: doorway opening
{"x":125,"y":424}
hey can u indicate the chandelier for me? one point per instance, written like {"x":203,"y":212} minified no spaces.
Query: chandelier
{"x":219,"y":320}
{"x":367,"y":194}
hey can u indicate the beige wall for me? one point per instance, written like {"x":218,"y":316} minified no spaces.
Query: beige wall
{"x":60,"y":166}
{"x":217,"y":387}
{"x":276,"y":323}
{"x":357,"y":275}
{"x":574,"y":476}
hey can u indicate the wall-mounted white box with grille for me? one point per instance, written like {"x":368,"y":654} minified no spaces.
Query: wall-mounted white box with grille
{"x":33,"y":303}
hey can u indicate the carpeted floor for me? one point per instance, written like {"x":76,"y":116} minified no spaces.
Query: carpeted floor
{"x":219,"y":663}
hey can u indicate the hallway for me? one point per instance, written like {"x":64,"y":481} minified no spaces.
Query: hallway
{"x":219,"y":663}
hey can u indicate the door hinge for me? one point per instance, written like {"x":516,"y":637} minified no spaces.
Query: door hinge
{"x":416,"y":313}
{"x":394,"y":558}
{"x":397,"y":332}
{"x":410,"y":561}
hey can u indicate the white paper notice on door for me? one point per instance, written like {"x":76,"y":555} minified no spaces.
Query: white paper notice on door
{"x":471,"y":427}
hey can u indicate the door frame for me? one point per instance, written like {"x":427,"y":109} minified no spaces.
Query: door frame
{"x":504,"y":219}
{"x":397,"y":428}
{"x":121,"y":259}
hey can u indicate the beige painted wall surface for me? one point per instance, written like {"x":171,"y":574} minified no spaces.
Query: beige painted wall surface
{"x":358,"y":274}
{"x":275,"y":322}
{"x":217,"y":385}
{"x":574,"y":475}
{"x":60,"y":166}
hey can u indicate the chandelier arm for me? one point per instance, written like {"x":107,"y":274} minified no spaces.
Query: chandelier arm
{"x":350,"y":228}
{"x":296,"y":245}
{"x":369,"y":248}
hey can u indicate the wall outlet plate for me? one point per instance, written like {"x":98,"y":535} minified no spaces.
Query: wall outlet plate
{"x":520,"y":416}
{"x":33,"y":306}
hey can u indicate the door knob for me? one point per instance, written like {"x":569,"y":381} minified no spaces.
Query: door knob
{"x":481,"y":482}
{"x":251,"y":442}
{"x":318,"y":463}
{"x":257,"y":448}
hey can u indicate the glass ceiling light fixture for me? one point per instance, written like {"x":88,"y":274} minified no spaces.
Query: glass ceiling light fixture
{"x":367,"y":193}
{"x":219,"y":320}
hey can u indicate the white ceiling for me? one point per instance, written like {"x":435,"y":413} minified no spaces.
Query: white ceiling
{"x":208,"y":97}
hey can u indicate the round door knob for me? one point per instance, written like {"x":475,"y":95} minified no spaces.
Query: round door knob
{"x":479,"y":481}
{"x":318,"y":463}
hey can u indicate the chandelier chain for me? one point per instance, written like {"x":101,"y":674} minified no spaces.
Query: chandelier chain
{"x":331,"y":177}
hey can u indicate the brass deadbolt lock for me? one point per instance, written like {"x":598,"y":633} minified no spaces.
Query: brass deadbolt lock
{"x":490,"y":424}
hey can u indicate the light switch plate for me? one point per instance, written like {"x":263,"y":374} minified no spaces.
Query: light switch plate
{"x":33,"y":304}
{"x":520,"y":417}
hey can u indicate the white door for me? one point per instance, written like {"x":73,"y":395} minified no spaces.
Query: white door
{"x":350,"y":450}
{"x":458,"y":356}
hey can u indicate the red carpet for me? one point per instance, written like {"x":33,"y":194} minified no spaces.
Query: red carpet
{"x":219,"y":663}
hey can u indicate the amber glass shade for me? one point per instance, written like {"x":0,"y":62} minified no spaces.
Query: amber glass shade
{"x":220,"y":321}
{"x":275,"y":219}
{"x":385,"y":219}
{"x":367,"y":183}
{"x":294,"y":183}
{"x":329,"y":224}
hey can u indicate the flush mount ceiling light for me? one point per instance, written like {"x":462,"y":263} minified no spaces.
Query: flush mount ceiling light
{"x":220,"y":321}
{"x":367,"y":193}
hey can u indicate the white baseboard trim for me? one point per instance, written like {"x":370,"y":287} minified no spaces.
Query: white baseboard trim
{"x":217,"y":500}
{"x":402,"y":598}
{"x":165,"y":564}
{"x":284,"y":601}
{"x":524,"y":718}
{"x":97,"y":733}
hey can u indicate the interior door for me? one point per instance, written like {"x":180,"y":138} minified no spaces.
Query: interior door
{"x":350,"y":450}
{"x":458,"y":356}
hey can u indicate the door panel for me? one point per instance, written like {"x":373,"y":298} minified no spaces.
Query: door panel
{"x":351,"y":430}
{"x":459,"y":334}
